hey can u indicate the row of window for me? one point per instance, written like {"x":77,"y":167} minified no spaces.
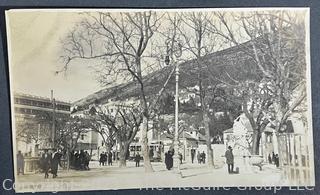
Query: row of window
{"x":40,"y":104}
{"x":35,"y":112}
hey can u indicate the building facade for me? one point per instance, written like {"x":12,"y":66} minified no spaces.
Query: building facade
{"x":34,"y":121}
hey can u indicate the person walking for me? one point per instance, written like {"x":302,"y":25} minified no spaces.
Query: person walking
{"x":137,"y":159}
{"x":269,"y":159}
{"x":169,"y":159}
{"x":110,"y":158}
{"x":56,"y":160}
{"x":101,"y":159}
{"x":193,"y":153}
{"x":180,"y":157}
{"x":199,"y":157}
{"x":87,"y":160}
{"x":82,"y":160}
{"x":274,"y":157}
{"x":276,"y":160}
{"x":229,"y":159}
{"x":203,"y":157}
{"x":46,"y":163}
{"x":20,"y":163}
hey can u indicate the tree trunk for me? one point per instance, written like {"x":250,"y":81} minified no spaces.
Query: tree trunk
{"x":145,"y":148}
{"x":208,"y":140}
{"x":68,"y":159}
{"x":255,"y":142}
{"x":123,"y":154}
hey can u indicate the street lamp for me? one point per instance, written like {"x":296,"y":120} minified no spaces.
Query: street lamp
{"x":177,"y":51}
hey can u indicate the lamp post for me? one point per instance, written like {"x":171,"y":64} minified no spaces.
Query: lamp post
{"x":177,"y":52}
{"x":53,"y":119}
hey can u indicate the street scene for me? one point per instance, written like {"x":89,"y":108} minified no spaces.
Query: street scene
{"x":142,"y":99}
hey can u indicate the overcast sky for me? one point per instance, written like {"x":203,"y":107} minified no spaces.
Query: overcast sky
{"x":34,"y":38}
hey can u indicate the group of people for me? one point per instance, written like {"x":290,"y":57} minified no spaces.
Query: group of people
{"x":201,"y":157}
{"x":49,"y":162}
{"x":273,"y":159}
{"x":80,"y":160}
{"x":105,"y":158}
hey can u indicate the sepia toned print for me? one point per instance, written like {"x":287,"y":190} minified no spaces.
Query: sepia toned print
{"x":136,"y":99}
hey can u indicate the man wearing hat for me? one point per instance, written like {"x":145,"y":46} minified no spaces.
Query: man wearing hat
{"x":229,"y":159}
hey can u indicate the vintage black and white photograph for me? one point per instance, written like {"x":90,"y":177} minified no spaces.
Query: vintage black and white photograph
{"x":105,"y":99}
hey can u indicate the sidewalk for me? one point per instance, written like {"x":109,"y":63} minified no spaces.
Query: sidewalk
{"x":113,"y":177}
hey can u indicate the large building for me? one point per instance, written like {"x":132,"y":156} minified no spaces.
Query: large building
{"x":34,"y":118}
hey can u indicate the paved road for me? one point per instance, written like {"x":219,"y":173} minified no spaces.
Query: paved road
{"x":113,"y":177}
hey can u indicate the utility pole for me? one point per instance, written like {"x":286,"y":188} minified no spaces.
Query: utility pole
{"x":53,"y":119}
{"x":176,"y":121}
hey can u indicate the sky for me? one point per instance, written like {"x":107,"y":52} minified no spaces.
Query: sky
{"x":34,"y":40}
{"x":34,"y":44}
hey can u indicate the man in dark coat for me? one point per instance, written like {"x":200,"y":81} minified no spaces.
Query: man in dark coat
{"x":137,"y":159}
{"x":87,"y":160}
{"x":229,"y":159}
{"x":82,"y":159}
{"x":20,"y":162}
{"x":101,"y":160}
{"x":203,"y":157}
{"x":193,"y":153}
{"x":46,"y":163}
{"x":276,"y":160}
{"x":56,"y":160}
{"x":199,"y":157}
{"x":168,"y":160}
{"x":171,"y":153}
{"x":110,"y":158}
{"x":77,"y":161}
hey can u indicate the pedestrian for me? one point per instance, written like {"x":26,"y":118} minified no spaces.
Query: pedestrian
{"x":137,"y":159}
{"x":110,"y":158}
{"x":203,"y":157}
{"x":192,"y":155}
{"x":101,"y":159}
{"x":46,"y":163}
{"x":180,"y":157}
{"x":269,"y":159}
{"x":20,"y":163}
{"x":169,"y":160}
{"x":274,"y":157}
{"x":77,"y":160}
{"x":229,"y":159}
{"x":56,"y":160}
{"x":151,"y":154}
{"x":199,"y":157}
{"x":72,"y":159}
{"x":276,"y":160}
{"x":87,"y":160}
{"x":82,"y":157}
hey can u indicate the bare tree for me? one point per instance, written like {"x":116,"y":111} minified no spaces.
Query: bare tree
{"x":96,"y":122}
{"x":197,"y":41}
{"x":275,"y":44}
{"x":123,"y":123}
{"x":118,"y":41}
{"x":69,"y":132}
